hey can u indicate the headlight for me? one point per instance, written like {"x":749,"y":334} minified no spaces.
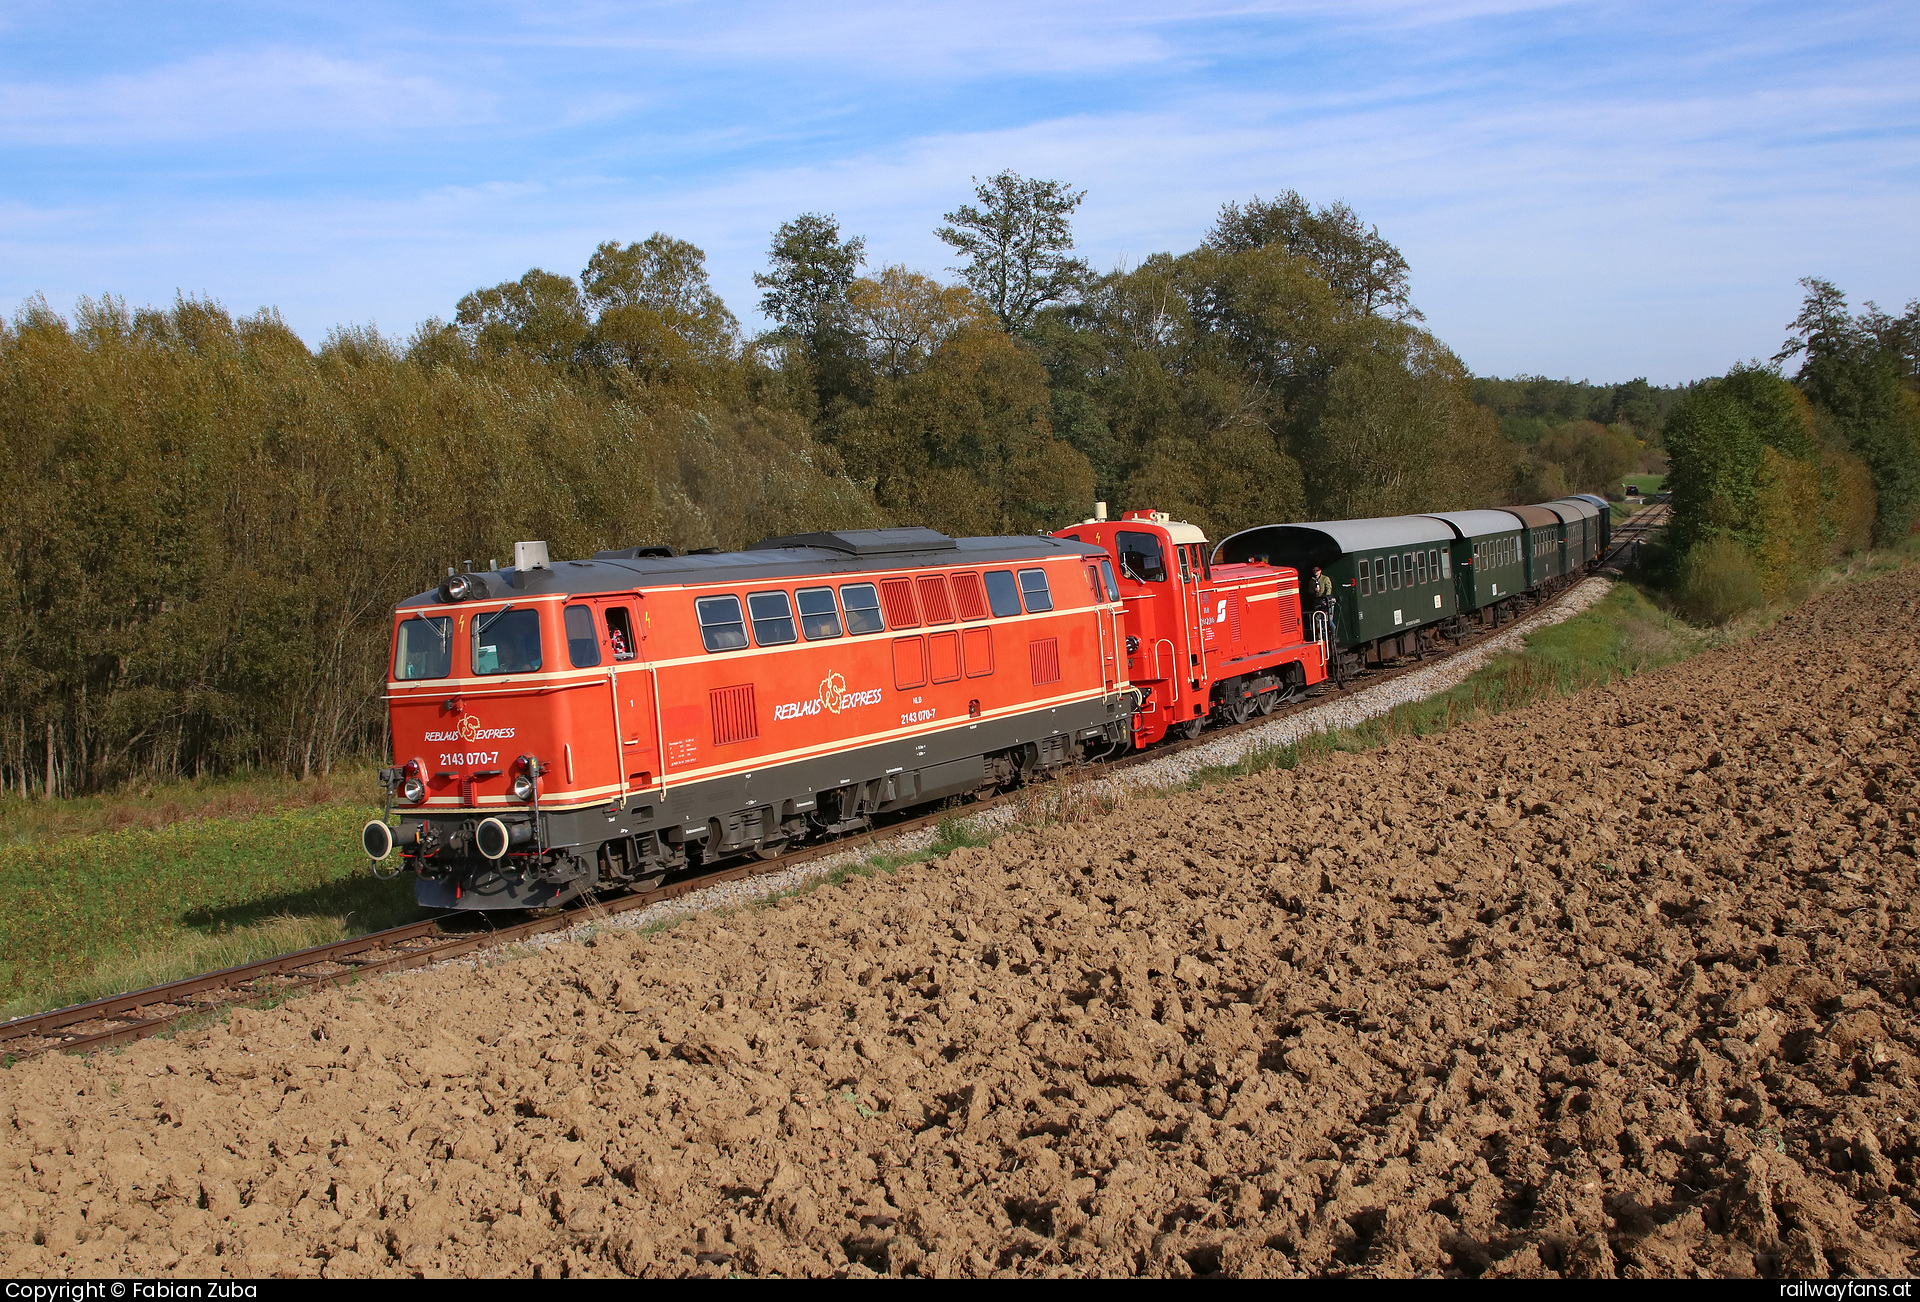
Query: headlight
{"x":522,"y":787}
{"x":413,"y":791}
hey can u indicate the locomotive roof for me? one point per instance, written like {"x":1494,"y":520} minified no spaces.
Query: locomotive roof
{"x":1477,"y":524}
{"x":851,"y":551}
{"x":1347,"y":535}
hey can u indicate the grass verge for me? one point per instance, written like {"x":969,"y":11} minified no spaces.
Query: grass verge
{"x":100,"y":914}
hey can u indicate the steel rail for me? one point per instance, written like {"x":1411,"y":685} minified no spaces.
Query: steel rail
{"x":141,"y":1013}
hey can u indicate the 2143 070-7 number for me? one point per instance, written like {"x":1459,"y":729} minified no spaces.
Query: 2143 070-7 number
{"x":462,"y":759}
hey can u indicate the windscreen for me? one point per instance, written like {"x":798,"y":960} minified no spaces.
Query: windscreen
{"x":424,"y":648}
{"x":1140,"y":556}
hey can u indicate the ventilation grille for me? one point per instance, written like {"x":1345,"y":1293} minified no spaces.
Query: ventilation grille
{"x":934,"y":599}
{"x":966,"y":591}
{"x":1045,"y":655}
{"x":1233,"y":617}
{"x":734,"y":717}
{"x":896,"y":595}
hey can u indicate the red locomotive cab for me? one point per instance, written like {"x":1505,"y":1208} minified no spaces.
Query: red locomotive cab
{"x":1202,"y":642}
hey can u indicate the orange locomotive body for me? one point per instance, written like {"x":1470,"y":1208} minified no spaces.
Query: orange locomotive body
{"x":1203,"y":640}
{"x":561,"y":727}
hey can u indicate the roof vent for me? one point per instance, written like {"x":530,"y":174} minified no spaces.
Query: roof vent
{"x":530,"y":556}
{"x":863,"y":542}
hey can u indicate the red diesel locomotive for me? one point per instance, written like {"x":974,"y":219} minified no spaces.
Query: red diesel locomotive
{"x":1203,"y":639}
{"x":564,"y":727}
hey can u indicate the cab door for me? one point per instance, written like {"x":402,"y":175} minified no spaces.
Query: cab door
{"x":1109,"y":648}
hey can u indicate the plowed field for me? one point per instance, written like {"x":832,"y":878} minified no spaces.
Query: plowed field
{"x":1620,"y":985}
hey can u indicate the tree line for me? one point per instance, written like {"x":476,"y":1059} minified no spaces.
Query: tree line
{"x":208,"y":519}
{"x":1773,"y":478}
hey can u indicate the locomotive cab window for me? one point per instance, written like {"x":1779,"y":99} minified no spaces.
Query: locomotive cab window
{"x":862,"y":603}
{"x":1185,"y":576}
{"x":819,"y":617}
{"x":1033,"y":587}
{"x":620,"y":632}
{"x":424,"y":648}
{"x":772,"y":618}
{"x":721,"y":628}
{"x":1106,"y":575}
{"x":1003,"y":594}
{"x":506,"y":641}
{"x":1141,"y":557}
{"x":583,"y":643}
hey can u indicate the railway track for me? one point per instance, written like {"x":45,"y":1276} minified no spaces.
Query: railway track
{"x":120,"y":1019}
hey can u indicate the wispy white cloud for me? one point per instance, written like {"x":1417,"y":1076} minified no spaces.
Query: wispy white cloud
{"x":233,"y":92}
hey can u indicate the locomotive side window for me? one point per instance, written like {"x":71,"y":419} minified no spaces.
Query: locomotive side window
{"x":506,"y":642}
{"x":772,"y":618}
{"x":583,"y":644}
{"x":1003,"y":594}
{"x":1181,"y":552}
{"x":819,"y":617}
{"x":721,"y":628}
{"x":1140,"y":556}
{"x":1033,"y":586}
{"x":1366,"y":578}
{"x":620,"y":632}
{"x":967,"y":595}
{"x":425,"y":647}
{"x":1106,"y":574}
{"x":862,"y":604}
{"x":1206,"y":561}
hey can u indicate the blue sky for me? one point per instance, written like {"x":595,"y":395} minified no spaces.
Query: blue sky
{"x":1591,"y":190}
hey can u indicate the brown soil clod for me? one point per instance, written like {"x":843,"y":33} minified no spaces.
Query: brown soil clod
{"x":1617,"y":986}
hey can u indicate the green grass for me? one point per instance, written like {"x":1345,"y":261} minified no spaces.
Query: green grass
{"x":99,"y":914}
{"x":1648,"y":484}
{"x":163,"y":803}
{"x":1621,"y":634}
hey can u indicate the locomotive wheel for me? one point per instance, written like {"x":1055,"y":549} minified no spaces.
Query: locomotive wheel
{"x":1239,"y":708}
{"x":1190,"y":729}
{"x":1267,"y":701}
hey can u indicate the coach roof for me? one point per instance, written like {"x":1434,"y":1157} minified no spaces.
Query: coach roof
{"x":776,"y":560}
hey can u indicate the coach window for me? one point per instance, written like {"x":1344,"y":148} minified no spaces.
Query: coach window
{"x":772,"y":618}
{"x":1420,"y":564}
{"x":1140,"y":556}
{"x":721,"y":628}
{"x":1446,"y":562}
{"x":1393,"y":571}
{"x":425,"y":648}
{"x":507,"y":641}
{"x":583,"y":644}
{"x":620,"y":632}
{"x":862,"y":604}
{"x":819,"y":617}
{"x":1033,"y":587}
{"x":1003,"y":594}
